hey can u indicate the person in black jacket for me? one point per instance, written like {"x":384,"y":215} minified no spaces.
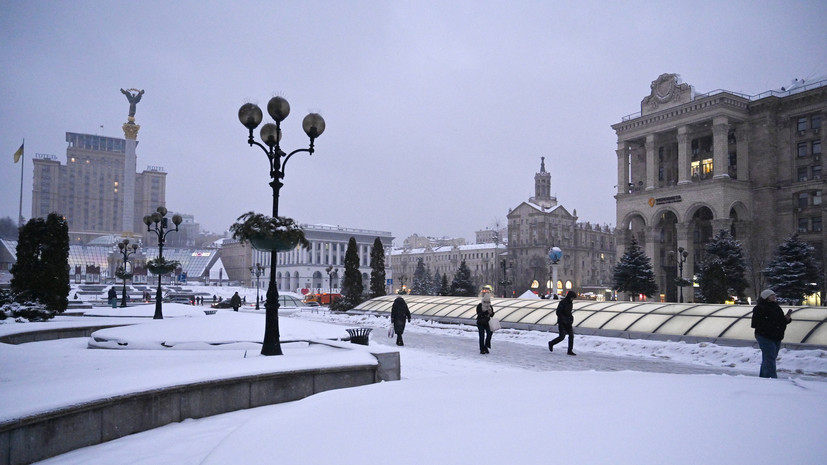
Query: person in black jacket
{"x":484,"y":313}
{"x":112,"y":296}
{"x":565,"y":322}
{"x":769,"y":322}
{"x":399,"y":313}
{"x":235,"y":301}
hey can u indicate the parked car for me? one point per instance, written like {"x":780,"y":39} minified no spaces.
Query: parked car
{"x":188,"y":299}
{"x":223,"y":304}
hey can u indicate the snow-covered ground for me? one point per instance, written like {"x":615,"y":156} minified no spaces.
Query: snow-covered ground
{"x":618,"y":401}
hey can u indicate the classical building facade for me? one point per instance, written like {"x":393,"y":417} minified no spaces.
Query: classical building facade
{"x":96,"y":191}
{"x":689,"y":165}
{"x":537,"y":225}
{"x":317,"y":269}
{"x":481,"y":260}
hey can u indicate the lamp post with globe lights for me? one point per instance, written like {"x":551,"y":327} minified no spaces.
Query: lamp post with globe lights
{"x":313,"y":124}
{"x":126,"y":250}
{"x":257,"y":271}
{"x":554,"y":254}
{"x":160,"y":222}
{"x":682,"y":255}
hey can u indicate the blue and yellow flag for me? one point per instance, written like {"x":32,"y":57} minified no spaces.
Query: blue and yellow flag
{"x":19,"y":153}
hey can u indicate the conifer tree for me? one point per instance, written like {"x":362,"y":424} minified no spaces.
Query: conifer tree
{"x":444,"y":287}
{"x":377,"y":269}
{"x":419,"y":284}
{"x":352,"y":286}
{"x":436,"y":284}
{"x":793,"y":272}
{"x":462,"y":286}
{"x":721,"y":275}
{"x":633,"y":273}
{"x":42,"y":270}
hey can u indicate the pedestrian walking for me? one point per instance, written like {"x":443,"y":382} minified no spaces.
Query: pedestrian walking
{"x":112,"y":295}
{"x":485,"y":311}
{"x":769,"y":322}
{"x":399,"y":314}
{"x":235,"y":301}
{"x":565,"y":322}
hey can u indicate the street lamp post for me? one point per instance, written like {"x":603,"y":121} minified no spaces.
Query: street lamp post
{"x":158,"y":218}
{"x":682,"y":254}
{"x":313,"y":124}
{"x":257,"y":271}
{"x":124,"y":249}
{"x":505,"y":282}
{"x":330,"y":272}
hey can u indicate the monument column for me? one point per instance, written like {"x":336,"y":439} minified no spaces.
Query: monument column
{"x":130,"y":132}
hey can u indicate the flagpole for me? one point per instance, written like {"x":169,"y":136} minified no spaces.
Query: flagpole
{"x":23,"y":163}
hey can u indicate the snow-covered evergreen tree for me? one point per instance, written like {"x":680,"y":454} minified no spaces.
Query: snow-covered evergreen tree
{"x":352,"y":286}
{"x":721,"y":275}
{"x":444,"y":287}
{"x":377,"y":269}
{"x":436,"y":283}
{"x":41,"y":273}
{"x":633,"y":273}
{"x":462,"y":285}
{"x":419,"y":286}
{"x":793,"y":273}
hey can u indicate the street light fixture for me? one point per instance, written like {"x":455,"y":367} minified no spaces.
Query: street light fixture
{"x":313,"y":124}
{"x":158,"y":218}
{"x":257,"y":271}
{"x":330,"y":272}
{"x":124,"y":249}
{"x":682,"y":254}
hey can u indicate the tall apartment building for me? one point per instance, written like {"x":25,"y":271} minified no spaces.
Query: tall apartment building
{"x":97,"y":190}
{"x":689,"y":165}
{"x":537,"y":225}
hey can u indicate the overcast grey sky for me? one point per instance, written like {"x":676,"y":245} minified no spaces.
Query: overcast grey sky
{"x":437,"y":112}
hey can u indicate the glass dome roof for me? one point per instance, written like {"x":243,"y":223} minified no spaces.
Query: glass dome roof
{"x":640,"y":320}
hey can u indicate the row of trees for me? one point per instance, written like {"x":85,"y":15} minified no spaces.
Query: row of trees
{"x":793,"y":272}
{"x":424,"y":283}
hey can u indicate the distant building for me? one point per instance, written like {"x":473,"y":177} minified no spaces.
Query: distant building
{"x":481,"y":260}
{"x":318,"y":269}
{"x":690,"y":165}
{"x":92,"y":191}
{"x":537,"y":225}
{"x":415,"y":241}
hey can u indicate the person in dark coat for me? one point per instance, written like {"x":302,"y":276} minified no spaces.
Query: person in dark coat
{"x":399,"y":314}
{"x":112,"y":295}
{"x":484,"y":313}
{"x":235,"y":301}
{"x":565,"y":322}
{"x":769,"y":322}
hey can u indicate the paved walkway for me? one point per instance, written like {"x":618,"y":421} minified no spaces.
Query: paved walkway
{"x":535,"y":358}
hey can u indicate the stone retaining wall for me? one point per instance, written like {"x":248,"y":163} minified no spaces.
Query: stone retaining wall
{"x":38,"y":437}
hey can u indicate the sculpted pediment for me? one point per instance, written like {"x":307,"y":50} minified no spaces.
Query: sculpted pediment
{"x":668,"y":90}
